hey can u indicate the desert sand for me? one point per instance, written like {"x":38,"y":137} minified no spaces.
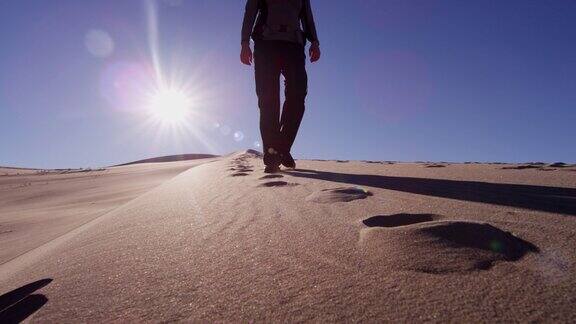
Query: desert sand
{"x":216,"y":239}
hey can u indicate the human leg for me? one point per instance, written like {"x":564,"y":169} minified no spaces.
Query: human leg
{"x":296,"y":87}
{"x":267,"y":75}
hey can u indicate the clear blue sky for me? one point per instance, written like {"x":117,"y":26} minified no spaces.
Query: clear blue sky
{"x":440,"y":80}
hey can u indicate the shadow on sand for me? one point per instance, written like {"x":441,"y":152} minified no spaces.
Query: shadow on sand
{"x":548,"y":199}
{"x":18,"y":304}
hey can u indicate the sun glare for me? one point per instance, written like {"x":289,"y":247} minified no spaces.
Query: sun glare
{"x":170,"y":106}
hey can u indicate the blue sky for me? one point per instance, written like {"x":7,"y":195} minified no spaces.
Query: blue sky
{"x":399,"y":80}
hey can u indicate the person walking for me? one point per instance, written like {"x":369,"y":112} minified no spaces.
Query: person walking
{"x":279,"y":29}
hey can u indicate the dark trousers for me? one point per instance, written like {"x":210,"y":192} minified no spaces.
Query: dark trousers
{"x":271,"y":59}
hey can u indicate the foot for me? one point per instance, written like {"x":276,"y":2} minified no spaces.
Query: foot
{"x":287,"y":160}
{"x":272,"y":168}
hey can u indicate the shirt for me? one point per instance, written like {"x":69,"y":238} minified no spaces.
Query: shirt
{"x":286,"y":20}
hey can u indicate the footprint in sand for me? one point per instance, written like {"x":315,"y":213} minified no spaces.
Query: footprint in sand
{"x":399,"y":220}
{"x":428,"y":243}
{"x":242,"y":169}
{"x":271,"y":176}
{"x":277,"y":184}
{"x":341,"y":194}
{"x":239,"y":174}
{"x":240,"y":165}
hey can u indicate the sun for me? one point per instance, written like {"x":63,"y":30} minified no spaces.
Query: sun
{"x":170,"y":106}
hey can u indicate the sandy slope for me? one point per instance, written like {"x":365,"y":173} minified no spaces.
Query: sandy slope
{"x":39,"y":205}
{"x":331,"y":241}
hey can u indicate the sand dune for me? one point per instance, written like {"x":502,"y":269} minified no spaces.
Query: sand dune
{"x":330,"y":241}
{"x":172,"y":158}
{"x":39,"y":205}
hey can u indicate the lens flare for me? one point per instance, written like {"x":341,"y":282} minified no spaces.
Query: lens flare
{"x":170,"y":106}
{"x":496,"y":246}
{"x":238,"y":136}
{"x":169,"y":97}
{"x":225,"y":130}
{"x":99,"y":43}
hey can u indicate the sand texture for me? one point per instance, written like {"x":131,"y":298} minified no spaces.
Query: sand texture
{"x":218,"y":240}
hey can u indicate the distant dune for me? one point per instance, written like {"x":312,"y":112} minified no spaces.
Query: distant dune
{"x":217,"y":240}
{"x":172,"y":158}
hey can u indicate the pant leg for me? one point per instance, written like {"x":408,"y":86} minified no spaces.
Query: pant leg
{"x":296,"y":88}
{"x":267,"y":75}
